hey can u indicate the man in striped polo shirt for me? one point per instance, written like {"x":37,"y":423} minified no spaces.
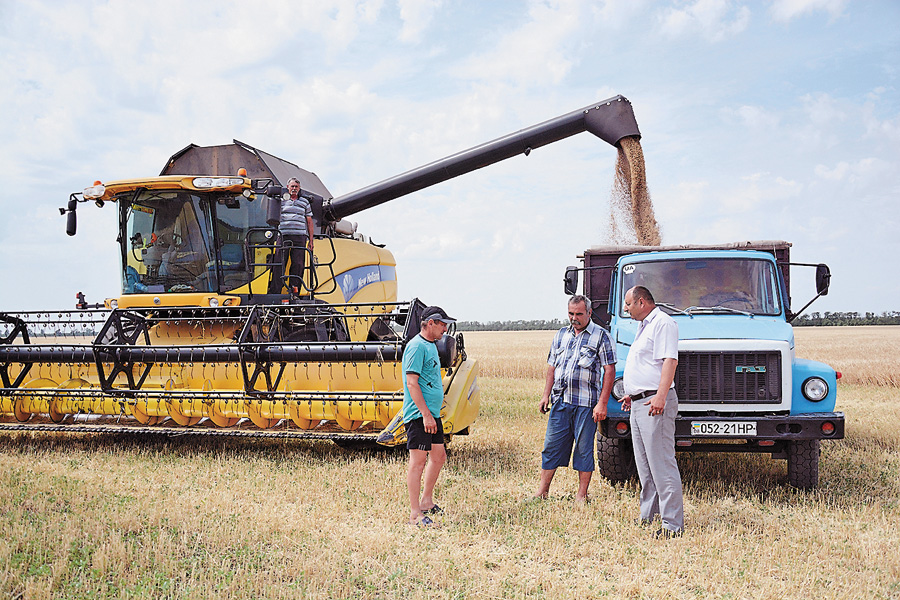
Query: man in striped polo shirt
{"x":297,"y":234}
{"x":578,"y":383}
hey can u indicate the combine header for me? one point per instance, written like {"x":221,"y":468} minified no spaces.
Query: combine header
{"x":197,"y":344}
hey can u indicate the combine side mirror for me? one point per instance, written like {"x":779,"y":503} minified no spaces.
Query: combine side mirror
{"x":447,"y":351}
{"x":273,"y":205}
{"x":823,"y":279}
{"x":71,"y":219}
{"x":571,"y":281}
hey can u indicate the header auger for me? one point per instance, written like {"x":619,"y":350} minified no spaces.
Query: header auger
{"x":197,"y":344}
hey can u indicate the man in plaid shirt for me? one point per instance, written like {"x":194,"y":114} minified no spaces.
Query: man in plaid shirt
{"x":578,"y":383}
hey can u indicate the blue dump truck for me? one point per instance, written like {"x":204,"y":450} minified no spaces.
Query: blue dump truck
{"x":740,"y":385}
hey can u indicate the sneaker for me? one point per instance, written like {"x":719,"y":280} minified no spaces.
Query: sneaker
{"x":666,"y":534}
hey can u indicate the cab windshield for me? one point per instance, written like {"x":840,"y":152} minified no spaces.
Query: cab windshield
{"x":726,"y":285}
{"x":182,"y":241}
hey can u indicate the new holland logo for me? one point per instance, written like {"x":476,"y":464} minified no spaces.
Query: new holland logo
{"x":749,"y":369}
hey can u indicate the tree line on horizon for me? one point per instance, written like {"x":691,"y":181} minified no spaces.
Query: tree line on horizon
{"x":815,"y":319}
{"x":827,"y":319}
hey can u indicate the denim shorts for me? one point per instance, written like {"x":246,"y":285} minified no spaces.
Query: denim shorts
{"x":569,"y":425}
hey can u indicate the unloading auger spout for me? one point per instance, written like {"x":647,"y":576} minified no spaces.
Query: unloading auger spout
{"x":610,"y":120}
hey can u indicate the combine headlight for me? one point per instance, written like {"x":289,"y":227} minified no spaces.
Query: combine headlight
{"x":214,"y":302}
{"x":217,"y":182}
{"x":618,"y":391}
{"x":815,"y":389}
{"x":95,"y":191}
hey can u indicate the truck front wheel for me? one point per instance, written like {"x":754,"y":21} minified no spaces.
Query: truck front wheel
{"x":803,"y":463}
{"x":615,"y":459}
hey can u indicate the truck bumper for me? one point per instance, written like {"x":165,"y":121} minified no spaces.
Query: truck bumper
{"x":771,"y":431}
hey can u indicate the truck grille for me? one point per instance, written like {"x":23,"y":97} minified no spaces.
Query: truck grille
{"x":729,"y":377}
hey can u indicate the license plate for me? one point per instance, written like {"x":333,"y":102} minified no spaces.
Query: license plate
{"x":725,"y":428}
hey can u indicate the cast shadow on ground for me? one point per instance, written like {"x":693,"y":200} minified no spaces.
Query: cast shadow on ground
{"x":476,"y":456}
{"x":845,"y":478}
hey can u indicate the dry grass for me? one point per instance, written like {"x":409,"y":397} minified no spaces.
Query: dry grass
{"x":510,"y":354}
{"x":865,"y":355}
{"x":107,"y":517}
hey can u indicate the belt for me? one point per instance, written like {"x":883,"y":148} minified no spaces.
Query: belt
{"x":643,"y":395}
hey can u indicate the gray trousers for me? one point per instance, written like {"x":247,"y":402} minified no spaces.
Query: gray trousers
{"x":654,"y":455}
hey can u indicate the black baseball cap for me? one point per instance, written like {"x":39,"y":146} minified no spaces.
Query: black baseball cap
{"x":436,"y":313}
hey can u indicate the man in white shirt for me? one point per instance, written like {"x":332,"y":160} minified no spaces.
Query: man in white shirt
{"x":650,"y":374}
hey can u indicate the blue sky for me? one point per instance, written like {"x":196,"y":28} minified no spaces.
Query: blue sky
{"x":760,"y":120}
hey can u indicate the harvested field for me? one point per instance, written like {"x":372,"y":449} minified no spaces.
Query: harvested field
{"x":115,"y":517}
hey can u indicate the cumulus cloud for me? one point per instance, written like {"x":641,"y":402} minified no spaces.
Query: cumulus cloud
{"x":786,"y":10}
{"x":540,"y":51}
{"x":752,"y":117}
{"x":416,"y":16}
{"x":714,"y":20}
{"x":863,"y":171}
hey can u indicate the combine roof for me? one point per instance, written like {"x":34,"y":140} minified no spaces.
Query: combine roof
{"x":226,"y":160}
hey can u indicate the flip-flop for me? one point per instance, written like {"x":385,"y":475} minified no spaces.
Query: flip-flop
{"x":434,"y":510}
{"x":422,"y":522}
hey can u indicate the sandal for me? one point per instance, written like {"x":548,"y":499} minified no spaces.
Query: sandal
{"x":434,"y":510}
{"x":422,"y":522}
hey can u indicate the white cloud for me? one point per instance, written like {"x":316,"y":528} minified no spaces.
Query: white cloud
{"x":862,"y":171}
{"x":714,"y":20}
{"x":416,"y":16}
{"x":786,"y":10}
{"x":752,"y":117}
{"x":539,"y":52}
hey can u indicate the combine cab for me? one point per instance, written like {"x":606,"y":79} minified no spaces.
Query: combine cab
{"x":197,"y":343}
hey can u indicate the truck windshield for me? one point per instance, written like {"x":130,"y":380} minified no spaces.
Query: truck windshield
{"x":181,"y":241}
{"x":708,"y":284}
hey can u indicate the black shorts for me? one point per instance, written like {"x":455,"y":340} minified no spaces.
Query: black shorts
{"x":418,"y":439}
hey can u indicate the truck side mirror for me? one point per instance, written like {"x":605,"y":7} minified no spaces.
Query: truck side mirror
{"x":823,"y":279}
{"x":571,"y":281}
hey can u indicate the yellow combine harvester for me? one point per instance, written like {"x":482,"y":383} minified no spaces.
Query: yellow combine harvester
{"x":197,"y":343}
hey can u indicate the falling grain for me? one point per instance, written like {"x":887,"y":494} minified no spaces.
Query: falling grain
{"x":631,"y":218}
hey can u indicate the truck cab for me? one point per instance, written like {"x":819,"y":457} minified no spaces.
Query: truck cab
{"x":740,"y":385}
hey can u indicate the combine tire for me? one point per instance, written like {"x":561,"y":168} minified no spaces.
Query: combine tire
{"x":803,"y":463}
{"x":615,"y":459}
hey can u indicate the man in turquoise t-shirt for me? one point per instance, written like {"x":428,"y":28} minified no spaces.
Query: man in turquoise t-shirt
{"x":423,"y":396}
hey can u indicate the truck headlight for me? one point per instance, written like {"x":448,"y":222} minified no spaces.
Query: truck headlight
{"x":815,"y":389}
{"x":618,"y":391}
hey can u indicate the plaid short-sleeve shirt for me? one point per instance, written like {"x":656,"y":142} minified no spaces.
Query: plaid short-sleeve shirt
{"x":578,"y":360}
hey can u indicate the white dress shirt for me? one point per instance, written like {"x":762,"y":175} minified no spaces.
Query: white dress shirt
{"x":656,"y":340}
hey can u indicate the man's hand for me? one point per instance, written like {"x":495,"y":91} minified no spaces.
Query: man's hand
{"x":626,"y":403}
{"x":544,"y":405}
{"x":599,"y":411}
{"x":657,"y":404}
{"x":429,"y":423}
